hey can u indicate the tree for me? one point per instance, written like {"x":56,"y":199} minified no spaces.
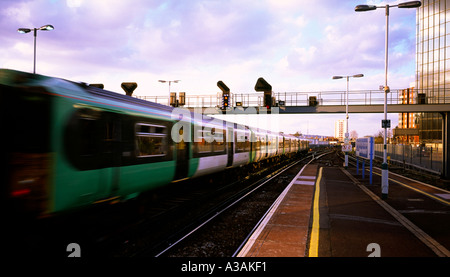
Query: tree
{"x":378,"y":137}
{"x":353,"y":135}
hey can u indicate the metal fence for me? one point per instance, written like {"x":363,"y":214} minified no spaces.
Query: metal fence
{"x":427,"y":157}
{"x":323,"y":98}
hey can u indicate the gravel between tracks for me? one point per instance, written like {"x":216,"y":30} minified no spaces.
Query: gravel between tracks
{"x":223,"y":235}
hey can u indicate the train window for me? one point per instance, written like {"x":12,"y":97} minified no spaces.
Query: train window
{"x":242,"y":141}
{"x":263,"y":144}
{"x":287,"y":145}
{"x":218,"y":142}
{"x":211,"y":142}
{"x":26,"y":119}
{"x":204,"y":145}
{"x":258,"y":143}
{"x":87,"y":138}
{"x":219,"y":146}
{"x":272,"y":144}
{"x":144,"y":128}
{"x":150,"y":140}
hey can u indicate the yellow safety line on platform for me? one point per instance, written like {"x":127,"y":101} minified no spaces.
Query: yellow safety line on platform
{"x":437,"y":248}
{"x":418,"y":190}
{"x":437,"y":198}
{"x":314,"y":242}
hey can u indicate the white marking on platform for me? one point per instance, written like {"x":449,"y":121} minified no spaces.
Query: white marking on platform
{"x":415,"y":199}
{"x":307,"y":177}
{"x":308,"y":183}
{"x":423,"y":212}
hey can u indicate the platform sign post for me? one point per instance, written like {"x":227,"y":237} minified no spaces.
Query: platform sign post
{"x":346,"y":147}
{"x":357,"y":166}
{"x":364,"y":149}
{"x":363,"y":167}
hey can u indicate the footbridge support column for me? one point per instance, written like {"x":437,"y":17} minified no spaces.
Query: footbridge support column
{"x":445,"y":146}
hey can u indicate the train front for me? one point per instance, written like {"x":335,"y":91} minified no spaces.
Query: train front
{"x":26,"y":158}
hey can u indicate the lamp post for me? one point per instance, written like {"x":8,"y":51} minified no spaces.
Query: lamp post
{"x":384,"y":166}
{"x":346,"y":111}
{"x":47,"y":27}
{"x":170,"y":82}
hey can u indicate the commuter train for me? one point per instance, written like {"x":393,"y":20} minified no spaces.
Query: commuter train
{"x":71,"y":145}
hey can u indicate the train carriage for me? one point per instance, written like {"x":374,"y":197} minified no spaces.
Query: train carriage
{"x":210,"y":146}
{"x":72,"y":145}
{"x":241,"y":145}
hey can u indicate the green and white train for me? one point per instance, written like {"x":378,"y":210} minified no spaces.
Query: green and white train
{"x":70,"y":145}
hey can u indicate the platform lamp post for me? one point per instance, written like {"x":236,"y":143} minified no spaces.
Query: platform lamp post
{"x":47,"y":27}
{"x":170,"y":82}
{"x":346,"y":140}
{"x":172,"y":96}
{"x":386,"y":122}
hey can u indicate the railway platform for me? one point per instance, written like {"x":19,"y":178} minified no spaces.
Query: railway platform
{"x":284,"y":231}
{"x":329,"y":211}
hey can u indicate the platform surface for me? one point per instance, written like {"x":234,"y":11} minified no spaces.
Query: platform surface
{"x":284,"y":232}
{"x":329,"y":211}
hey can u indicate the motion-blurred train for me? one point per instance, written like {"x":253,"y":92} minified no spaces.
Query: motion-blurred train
{"x":68,"y":145}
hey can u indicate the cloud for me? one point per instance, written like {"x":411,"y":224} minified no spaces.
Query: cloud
{"x":296,"y":45}
{"x":349,"y":43}
{"x":200,"y":40}
{"x":74,"y":3}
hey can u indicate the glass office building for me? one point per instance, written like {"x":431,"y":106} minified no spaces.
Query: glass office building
{"x":432,"y":64}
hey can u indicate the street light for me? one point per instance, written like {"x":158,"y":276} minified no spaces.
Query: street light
{"x":47,"y":27}
{"x":170,"y":82}
{"x":346,"y":140}
{"x":384,"y":166}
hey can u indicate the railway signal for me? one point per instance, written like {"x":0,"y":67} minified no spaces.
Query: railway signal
{"x":225,"y":100}
{"x":268,"y":99}
{"x":225,"y":95}
{"x":263,"y":85}
{"x":129,"y":87}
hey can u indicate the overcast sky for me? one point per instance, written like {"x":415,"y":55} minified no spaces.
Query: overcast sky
{"x":296,"y":45}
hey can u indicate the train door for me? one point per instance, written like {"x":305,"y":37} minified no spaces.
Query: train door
{"x":266,"y":147}
{"x":111,"y":134}
{"x":93,"y":147}
{"x":252,"y":146}
{"x":182,"y":152}
{"x":230,"y":146}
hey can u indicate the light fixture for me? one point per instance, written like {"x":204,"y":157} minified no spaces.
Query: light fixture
{"x":47,"y":27}
{"x":385,"y":123}
{"x":347,"y":139}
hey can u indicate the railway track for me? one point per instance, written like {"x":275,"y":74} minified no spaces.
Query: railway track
{"x":221,"y":233}
{"x":140,"y":227}
{"x":217,"y":237}
{"x":196,"y":212}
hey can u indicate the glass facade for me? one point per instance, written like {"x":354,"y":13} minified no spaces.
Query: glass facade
{"x":433,"y":64}
{"x":407,"y":120}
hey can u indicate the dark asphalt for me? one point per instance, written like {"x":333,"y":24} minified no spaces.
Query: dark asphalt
{"x":352,"y":224}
